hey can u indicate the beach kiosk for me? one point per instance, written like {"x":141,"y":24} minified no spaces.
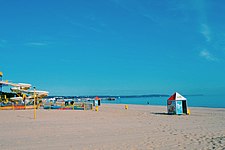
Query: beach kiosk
{"x":177,"y":104}
{"x":97,"y":101}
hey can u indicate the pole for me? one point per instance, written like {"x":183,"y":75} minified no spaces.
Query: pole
{"x":35,"y":103}
{"x":24,"y":100}
{"x":1,"y":74}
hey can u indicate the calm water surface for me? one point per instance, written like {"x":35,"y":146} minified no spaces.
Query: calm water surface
{"x":214,"y":101}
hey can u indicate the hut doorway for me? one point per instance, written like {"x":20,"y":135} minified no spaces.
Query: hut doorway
{"x":184,"y":105}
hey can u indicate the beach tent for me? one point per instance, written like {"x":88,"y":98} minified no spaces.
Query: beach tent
{"x":177,"y":104}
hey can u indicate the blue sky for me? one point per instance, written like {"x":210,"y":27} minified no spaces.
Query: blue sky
{"x":117,"y":47}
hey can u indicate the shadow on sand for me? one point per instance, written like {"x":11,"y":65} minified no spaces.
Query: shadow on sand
{"x":158,"y":113}
{"x":27,"y":117}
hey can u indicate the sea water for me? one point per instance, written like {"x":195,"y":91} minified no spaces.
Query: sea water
{"x":214,"y":101}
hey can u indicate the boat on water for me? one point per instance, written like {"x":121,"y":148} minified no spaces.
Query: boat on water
{"x":111,"y":98}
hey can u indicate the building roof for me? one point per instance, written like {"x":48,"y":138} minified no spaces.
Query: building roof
{"x":177,"y":96}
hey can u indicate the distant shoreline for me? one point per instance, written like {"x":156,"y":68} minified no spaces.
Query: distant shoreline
{"x":123,"y":96}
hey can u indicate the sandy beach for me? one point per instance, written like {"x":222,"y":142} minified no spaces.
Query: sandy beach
{"x":113,"y":127}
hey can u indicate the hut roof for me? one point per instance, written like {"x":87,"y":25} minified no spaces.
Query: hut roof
{"x":97,"y":98}
{"x":177,"y":96}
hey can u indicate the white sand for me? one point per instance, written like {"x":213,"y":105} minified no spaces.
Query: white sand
{"x":112,"y":127}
